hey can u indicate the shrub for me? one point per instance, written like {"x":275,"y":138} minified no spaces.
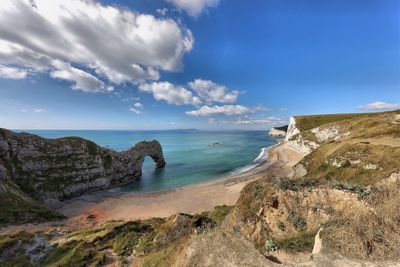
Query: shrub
{"x":298,"y":222}
{"x":270,"y":245}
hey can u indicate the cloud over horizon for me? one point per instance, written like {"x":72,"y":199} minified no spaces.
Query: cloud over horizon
{"x":95,"y":43}
{"x":379,"y":105}
{"x":270,"y":120}
{"x":227,"y":110}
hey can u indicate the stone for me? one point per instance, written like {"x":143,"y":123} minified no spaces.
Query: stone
{"x":274,"y":132}
{"x":292,"y":129}
{"x":52,"y":170}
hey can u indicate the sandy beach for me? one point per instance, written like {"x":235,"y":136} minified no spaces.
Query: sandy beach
{"x":189,"y":199}
{"x":93,"y":209}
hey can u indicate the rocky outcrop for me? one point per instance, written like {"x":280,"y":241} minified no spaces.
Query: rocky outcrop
{"x":296,"y":141}
{"x":57,"y":169}
{"x":329,"y":133}
{"x":292,"y":129}
{"x":278,"y":131}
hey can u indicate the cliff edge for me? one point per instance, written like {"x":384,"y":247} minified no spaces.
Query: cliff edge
{"x":51,"y":170}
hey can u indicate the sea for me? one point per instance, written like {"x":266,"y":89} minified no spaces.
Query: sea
{"x":192,"y":156}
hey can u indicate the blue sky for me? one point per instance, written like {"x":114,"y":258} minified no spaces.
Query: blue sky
{"x":204,"y":64}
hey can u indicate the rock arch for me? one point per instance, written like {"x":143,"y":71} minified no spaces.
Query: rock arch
{"x":142,"y":149}
{"x":58,"y":169}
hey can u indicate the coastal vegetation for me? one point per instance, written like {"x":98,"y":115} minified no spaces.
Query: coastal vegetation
{"x":344,"y":193}
{"x":349,"y":186}
{"x":309,"y":122}
{"x":153,"y":242}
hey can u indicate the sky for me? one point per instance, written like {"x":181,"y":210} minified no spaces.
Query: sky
{"x":202,"y":64}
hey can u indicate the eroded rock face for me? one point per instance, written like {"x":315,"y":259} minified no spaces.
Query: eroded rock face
{"x":276,"y":132}
{"x":292,"y":129}
{"x":58,"y":169}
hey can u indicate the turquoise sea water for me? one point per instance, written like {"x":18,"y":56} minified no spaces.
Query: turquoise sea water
{"x":192,"y":156}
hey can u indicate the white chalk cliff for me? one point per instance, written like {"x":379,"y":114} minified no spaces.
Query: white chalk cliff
{"x":276,"y":133}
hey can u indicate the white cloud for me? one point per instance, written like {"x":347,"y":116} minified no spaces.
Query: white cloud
{"x":82,"y":80}
{"x":175,"y":95}
{"x":36,"y":110}
{"x":212,"y":92}
{"x":162,"y":11}
{"x":128,"y":99}
{"x":261,"y":107}
{"x":135,"y":110}
{"x":249,"y":121}
{"x":138,"y":105}
{"x":220,"y":110}
{"x":12,"y":73}
{"x":379,"y":106}
{"x":194,"y":7}
{"x":117,"y":44}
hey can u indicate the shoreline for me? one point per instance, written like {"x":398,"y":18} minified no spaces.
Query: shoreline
{"x":96,"y":208}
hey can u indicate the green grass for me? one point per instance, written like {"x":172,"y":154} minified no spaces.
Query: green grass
{"x":304,"y":123}
{"x":18,"y":209}
{"x":158,"y":259}
{"x":87,"y":247}
{"x":298,"y":222}
{"x":299,"y":242}
{"x":154,"y":241}
{"x":318,"y":164}
{"x":74,"y":253}
{"x":10,"y":240}
{"x":107,"y":161}
{"x":252,"y":197}
{"x":218,"y":214}
{"x":17,"y":261}
{"x":14,"y":242}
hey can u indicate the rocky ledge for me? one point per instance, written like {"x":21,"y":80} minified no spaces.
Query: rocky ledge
{"x":50,"y":170}
{"x":278,"y":131}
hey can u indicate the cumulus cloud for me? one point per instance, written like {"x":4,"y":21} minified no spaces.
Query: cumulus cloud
{"x":379,"y":106}
{"x":228,"y":110}
{"x":81,"y":80}
{"x":194,"y":7}
{"x":249,"y":121}
{"x":212,"y":92}
{"x":173,"y":94}
{"x":138,"y":105}
{"x":12,"y":73}
{"x":113,"y":43}
{"x":135,"y":110}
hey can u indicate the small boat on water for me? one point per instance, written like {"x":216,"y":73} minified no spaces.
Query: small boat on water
{"x":215,"y":144}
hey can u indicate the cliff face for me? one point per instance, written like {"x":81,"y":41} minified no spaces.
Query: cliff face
{"x":348,"y":183}
{"x":276,"y":132}
{"x":58,"y":169}
{"x":292,"y":129}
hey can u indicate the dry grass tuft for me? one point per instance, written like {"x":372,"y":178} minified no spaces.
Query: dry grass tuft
{"x":373,"y":234}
